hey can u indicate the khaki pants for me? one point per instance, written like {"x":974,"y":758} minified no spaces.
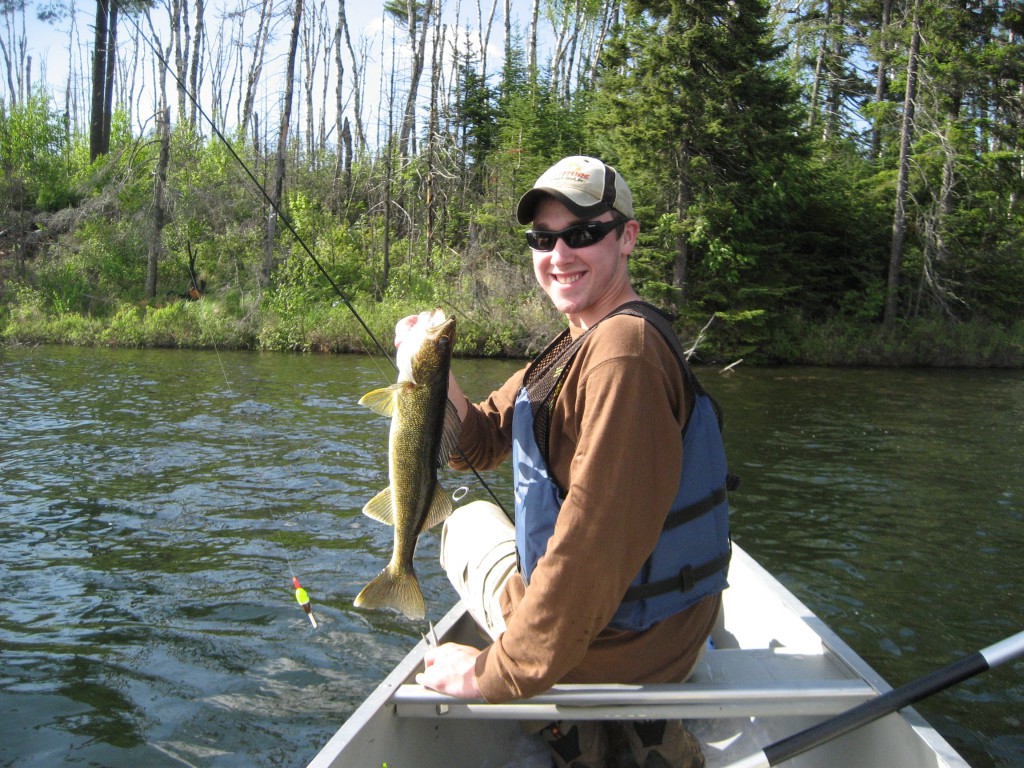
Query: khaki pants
{"x":478,"y":552}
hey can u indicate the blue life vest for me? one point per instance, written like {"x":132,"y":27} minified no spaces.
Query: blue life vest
{"x":691,"y":559}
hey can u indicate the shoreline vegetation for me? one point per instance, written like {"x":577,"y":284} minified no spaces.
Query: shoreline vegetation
{"x":830,"y":188}
{"x":332,"y":328}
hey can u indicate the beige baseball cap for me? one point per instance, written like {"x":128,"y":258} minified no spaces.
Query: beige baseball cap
{"x":584,"y":185}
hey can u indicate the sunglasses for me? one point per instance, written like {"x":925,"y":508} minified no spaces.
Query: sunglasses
{"x":576,"y":236}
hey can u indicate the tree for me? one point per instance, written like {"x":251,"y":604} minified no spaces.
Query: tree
{"x":698,"y":118}
{"x":104,"y":48}
{"x":104,"y":65}
{"x":835,"y":81}
{"x":261,"y":37}
{"x":160,"y":212}
{"x":415,"y":17}
{"x":475,"y":115}
{"x":899,"y":220}
{"x":357,"y":80}
{"x":159,"y":202}
{"x":277,"y":184}
{"x":580,"y":27}
{"x":34,"y":171}
{"x":188,"y":48}
{"x":881,"y":54}
{"x":13,"y":50}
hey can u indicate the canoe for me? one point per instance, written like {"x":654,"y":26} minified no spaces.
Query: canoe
{"x":772,"y":669}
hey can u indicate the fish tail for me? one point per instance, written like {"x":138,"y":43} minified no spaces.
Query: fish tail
{"x":394,"y":588}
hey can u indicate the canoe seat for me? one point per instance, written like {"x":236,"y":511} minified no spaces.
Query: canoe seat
{"x":727,"y":683}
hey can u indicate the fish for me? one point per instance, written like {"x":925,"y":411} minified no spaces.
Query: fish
{"x":424,"y":431}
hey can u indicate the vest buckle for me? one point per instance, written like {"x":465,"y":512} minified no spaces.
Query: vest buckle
{"x":686,"y":578}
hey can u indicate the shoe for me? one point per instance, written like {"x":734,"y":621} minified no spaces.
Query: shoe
{"x":581,"y":744}
{"x":662,"y":744}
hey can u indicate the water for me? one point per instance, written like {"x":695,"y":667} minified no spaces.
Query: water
{"x":155,"y":505}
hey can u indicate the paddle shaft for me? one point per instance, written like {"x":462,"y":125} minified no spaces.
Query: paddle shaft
{"x":889,"y":702}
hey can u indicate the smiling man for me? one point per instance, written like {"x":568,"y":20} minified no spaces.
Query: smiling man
{"x":582,"y":270}
{"x":614,"y":568}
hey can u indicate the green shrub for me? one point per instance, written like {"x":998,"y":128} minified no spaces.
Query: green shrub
{"x":75,"y":329}
{"x":125,"y":329}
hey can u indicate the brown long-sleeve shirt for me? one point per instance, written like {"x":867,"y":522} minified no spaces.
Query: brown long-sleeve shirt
{"x":615,"y":448}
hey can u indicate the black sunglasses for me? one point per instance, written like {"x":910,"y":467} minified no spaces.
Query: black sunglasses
{"x":576,"y":236}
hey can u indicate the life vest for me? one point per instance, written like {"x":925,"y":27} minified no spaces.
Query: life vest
{"x":691,"y":558}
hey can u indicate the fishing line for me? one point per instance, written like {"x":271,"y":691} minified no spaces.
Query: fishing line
{"x":262,"y":190}
{"x":301,"y":595}
{"x":291,"y":228}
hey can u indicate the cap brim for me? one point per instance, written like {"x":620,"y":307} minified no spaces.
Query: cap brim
{"x":528,"y":204}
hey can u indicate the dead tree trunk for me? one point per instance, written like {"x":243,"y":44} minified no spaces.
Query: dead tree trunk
{"x":417,"y":29}
{"x":180,"y":36}
{"x":433,"y":136}
{"x":881,"y":79}
{"x":684,"y":199}
{"x":339,"y":95}
{"x":899,"y":221}
{"x":197,"y":61}
{"x":277,"y":185}
{"x":108,"y":76}
{"x":163,"y":118}
{"x":14,"y":51}
{"x":256,"y":66}
{"x":357,"y":78}
{"x":99,"y":70}
{"x":159,"y":205}
{"x":819,"y":67}
{"x":532,"y":57}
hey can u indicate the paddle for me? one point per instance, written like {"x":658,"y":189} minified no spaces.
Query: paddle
{"x":898,"y":698}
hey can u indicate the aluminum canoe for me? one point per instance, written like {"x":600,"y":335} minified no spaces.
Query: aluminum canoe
{"x":774,"y":669}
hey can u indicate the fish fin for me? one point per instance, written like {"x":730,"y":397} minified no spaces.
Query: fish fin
{"x":382,"y":400}
{"x":450,"y":433}
{"x":380,"y":508}
{"x":394,"y":588}
{"x":440,"y":508}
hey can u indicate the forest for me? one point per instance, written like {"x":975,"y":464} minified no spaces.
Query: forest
{"x":834,"y":182}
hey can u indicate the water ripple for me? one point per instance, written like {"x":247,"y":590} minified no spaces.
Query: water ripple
{"x":155,"y":505}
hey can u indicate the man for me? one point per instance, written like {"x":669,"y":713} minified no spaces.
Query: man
{"x":615,"y":568}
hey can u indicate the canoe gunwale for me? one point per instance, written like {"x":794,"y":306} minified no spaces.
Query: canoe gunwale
{"x":683,"y":702}
{"x":380,"y":698}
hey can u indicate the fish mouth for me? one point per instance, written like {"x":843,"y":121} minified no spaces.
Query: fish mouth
{"x":435,"y":317}
{"x":439,"y":324}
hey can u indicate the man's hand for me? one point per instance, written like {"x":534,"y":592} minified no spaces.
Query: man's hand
{"x":450,"y":668}
{"x":403,"y":326}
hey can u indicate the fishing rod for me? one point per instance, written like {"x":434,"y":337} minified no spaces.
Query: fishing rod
{"x":301,"y":595}
{"x":896,"y":699}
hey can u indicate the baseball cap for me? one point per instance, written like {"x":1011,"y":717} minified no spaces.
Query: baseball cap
{"x":584,"y":185}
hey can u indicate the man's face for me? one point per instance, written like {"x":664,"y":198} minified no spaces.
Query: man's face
{"x":585,"y":284}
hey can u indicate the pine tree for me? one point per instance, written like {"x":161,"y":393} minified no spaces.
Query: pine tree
{"x":702,"y":124}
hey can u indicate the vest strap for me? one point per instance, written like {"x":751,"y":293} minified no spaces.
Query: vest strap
{"x":684,"y":581}
{"x":698,"y":508}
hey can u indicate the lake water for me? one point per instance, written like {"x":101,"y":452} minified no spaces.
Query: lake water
{"x":156,"y":504}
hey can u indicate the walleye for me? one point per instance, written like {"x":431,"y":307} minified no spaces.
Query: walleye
{"x":424,"y":430}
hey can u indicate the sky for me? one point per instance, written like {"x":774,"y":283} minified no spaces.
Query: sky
{"x":65,"y":45}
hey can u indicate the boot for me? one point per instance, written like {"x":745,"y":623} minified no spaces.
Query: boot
{"x":662,"y":744}
{"x":577,"y":744}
